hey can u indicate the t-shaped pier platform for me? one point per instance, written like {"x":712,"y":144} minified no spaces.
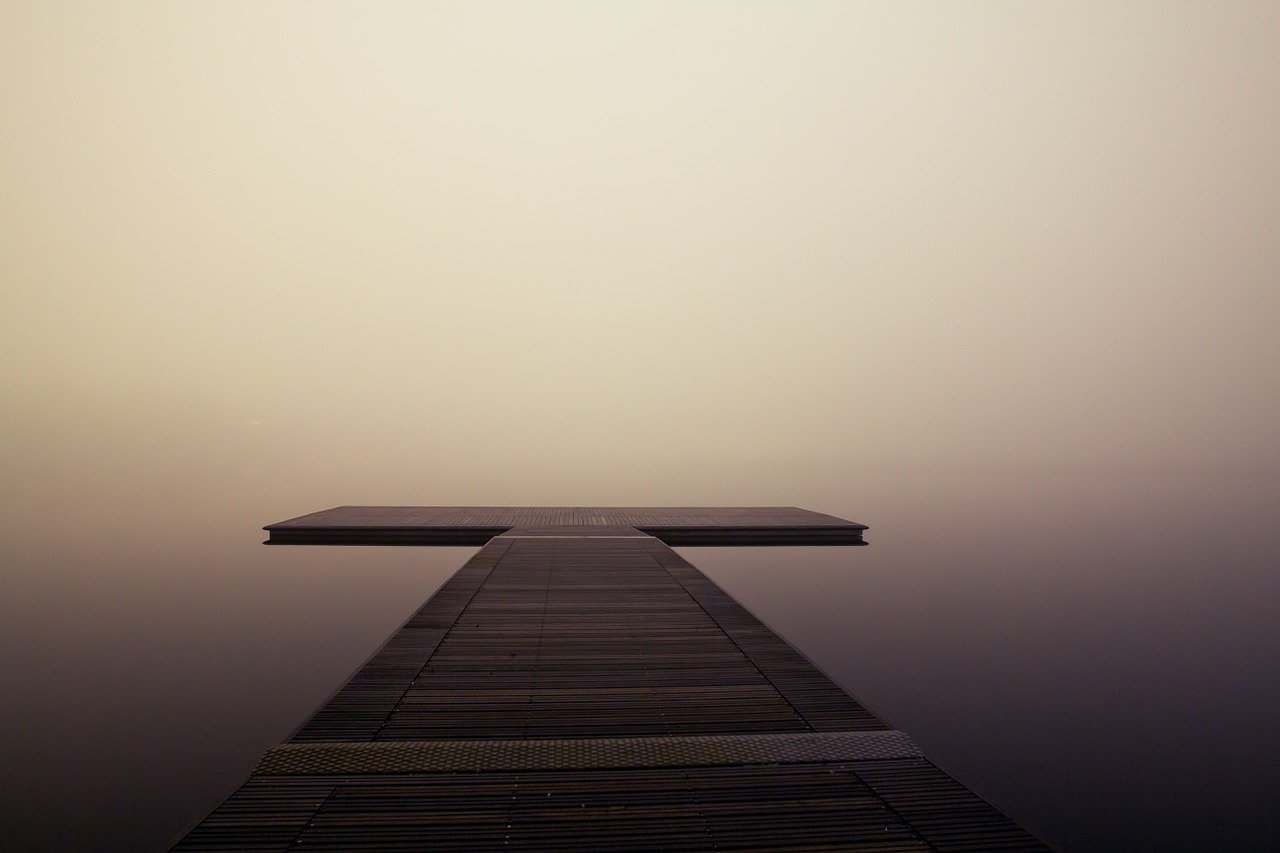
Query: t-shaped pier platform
{"x":579,"y":685}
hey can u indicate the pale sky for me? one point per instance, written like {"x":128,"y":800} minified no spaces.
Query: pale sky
{"x":559,"y":252}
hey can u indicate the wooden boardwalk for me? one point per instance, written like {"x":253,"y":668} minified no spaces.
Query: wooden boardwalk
{"x":579,"y":685}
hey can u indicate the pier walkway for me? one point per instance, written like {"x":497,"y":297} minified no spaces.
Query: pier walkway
{"x":579,"y":685}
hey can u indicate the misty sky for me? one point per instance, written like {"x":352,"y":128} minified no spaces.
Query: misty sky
{"x":566,"y":252}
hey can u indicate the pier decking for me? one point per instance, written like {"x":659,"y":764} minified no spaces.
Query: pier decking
{"x":476,"y":525}
{"x":579,"y":685}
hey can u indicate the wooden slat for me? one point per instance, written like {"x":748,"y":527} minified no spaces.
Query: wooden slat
{"x":490,"y":756}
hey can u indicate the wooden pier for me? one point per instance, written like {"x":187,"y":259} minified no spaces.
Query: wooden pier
{"x":577,"y":685}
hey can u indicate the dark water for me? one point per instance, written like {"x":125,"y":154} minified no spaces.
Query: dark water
{"x":1095,"y":654}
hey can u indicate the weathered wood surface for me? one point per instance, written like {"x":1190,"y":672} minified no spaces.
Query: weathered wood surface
{"x":595,"y":692}
{"x":449,"y":525}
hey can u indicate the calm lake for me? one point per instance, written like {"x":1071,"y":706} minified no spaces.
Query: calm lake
{"x":1095,"y":654}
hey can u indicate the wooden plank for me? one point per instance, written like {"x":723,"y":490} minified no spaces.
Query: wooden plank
{"x":456,"y":756}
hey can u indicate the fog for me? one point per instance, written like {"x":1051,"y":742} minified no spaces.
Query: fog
{"x":997,"y":279}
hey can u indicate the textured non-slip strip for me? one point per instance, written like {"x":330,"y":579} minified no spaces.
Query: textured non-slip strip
{"x":452,"y":756}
